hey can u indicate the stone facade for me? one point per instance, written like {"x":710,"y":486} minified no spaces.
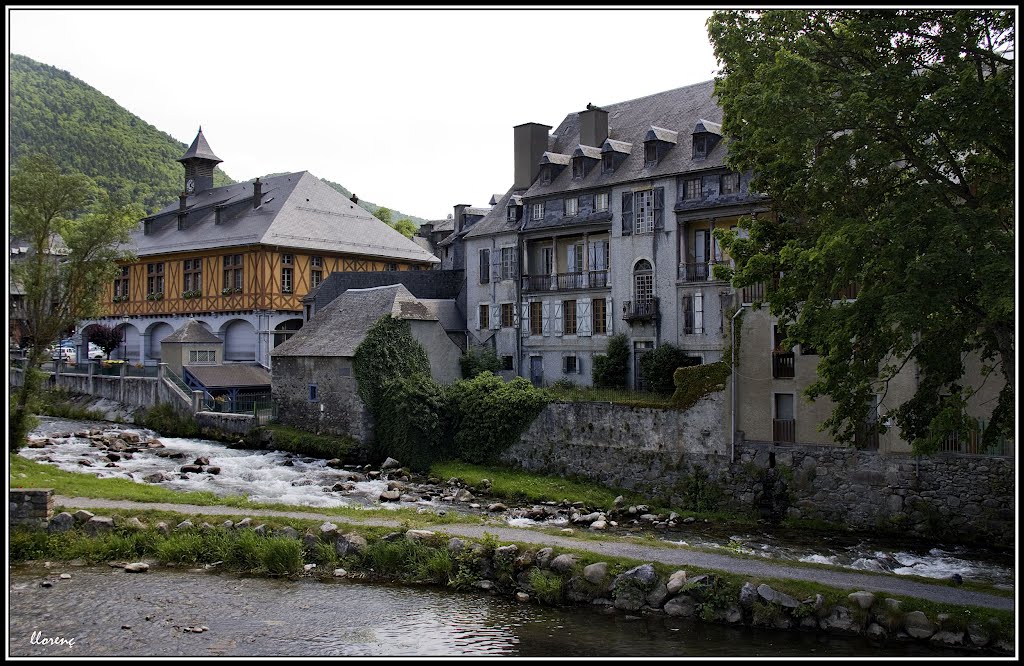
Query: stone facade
{"x":339,"y":409}
{"x":485,"y":286}
{"x":30,"y":507}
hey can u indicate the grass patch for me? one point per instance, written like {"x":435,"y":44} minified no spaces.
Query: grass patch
{"x":614,"y":396}
{"x":60,"y":402}
{"x":286,"y":438}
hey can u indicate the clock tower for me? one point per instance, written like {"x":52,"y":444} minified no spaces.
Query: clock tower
{"x":199,"y":162}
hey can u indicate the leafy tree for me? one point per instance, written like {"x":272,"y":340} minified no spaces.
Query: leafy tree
{"x":406,"y":227}
{"x":106,"y":338}
{"x":489,"y":414}
{"x":384,"y":215}
{"x":659,"y":365}
{"x":70,"y":259}
{"x":477,"y":360}
{"x":885,"y":139}
{"x":388,"y":352}
{"x":611,"y":369}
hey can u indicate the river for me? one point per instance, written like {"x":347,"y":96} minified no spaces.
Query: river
{"x":108,"y":612}
{"x":276,"y":476}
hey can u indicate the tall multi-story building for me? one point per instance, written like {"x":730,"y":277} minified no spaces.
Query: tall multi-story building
{"x":239,"y":259}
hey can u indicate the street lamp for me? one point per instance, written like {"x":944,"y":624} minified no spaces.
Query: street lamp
{"x":124,"y":339}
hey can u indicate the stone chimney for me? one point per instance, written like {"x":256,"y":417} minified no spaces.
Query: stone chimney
{"x":257,"y":193}
{"x":531,"y":142}
{"x":459,"y":209}
{"x":182,"y":201}
{"x":593,"y":126}
{"x":354,"y":199}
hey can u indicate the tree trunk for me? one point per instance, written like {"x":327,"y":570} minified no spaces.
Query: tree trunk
{"x":20,"y":424}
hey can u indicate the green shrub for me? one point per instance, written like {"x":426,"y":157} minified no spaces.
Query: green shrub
{"x":547,"y":586}
{"x":693,"y":383}
{"x":490,"y":414}
{"x":416,"y":428}
{"x":181,"y":547}
{"x":477,"y":360}
{"x":166,"y":421}
{"x":286,"y":438}
{"x":611,"y":369}
{"x":244,"y":551}
{"x":658,"y":366}
{"x":280,"y":556}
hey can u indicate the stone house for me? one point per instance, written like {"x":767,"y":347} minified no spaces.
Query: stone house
{"x":314,"y":385}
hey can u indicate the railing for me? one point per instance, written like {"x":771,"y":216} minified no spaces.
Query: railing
{"x":783,"y":365}
{"x":753,"y":293}
{"x":848,"y":293}
{"x":571,"y":280}
{"x":177,"y":381}
{"x":566,"y":281}
{"x":697,"y":272}
{"x":972,"y":444}
{"x":638,"y":310}
{"x":263,"y":408}
{"x":537,"y":283}
{"x":783,"y":430}
{"x":598,"y":279}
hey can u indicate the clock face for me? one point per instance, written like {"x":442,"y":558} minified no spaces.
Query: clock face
{"x":190,"y":185}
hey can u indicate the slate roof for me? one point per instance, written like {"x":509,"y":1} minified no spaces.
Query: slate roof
{"x":496,"y":221}
{"x":230,"y":376}
{"x":192,"y":331}
{"x":297,"y":210}
{"x":199,"y":149}
{"x":444,"y":225}
{"x":676,"y":110}
{"x":661,"y":134}
{"x":341,"y":325}
{"x":592,"y":152}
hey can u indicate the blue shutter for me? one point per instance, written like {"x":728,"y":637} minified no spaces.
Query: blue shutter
{"x":659,"y":206}
{"x":627,"y":213}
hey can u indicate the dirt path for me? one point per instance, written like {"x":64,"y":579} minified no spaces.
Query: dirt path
{"x":668,"y":554}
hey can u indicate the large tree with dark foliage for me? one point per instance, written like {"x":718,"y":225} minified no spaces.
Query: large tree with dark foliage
{"x":885,"y":139}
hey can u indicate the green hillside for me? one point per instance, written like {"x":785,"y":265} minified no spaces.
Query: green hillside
{"x":79,"y":127}
{"x":372,"y":207}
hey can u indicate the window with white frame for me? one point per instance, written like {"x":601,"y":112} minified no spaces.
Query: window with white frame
{"x":730,"y":183}
{"x":537,"y":211}
{"x":643,"y":282}
{"x":569,"y":317}
{"x":202,"y":356}
{"x":601,"y":202}
{"x":508,"y":262}
{"x":570,"y":365}
{"x":643,"y":212}
{"x":693,"y":314}
{"x":579,"y":168}
{"x":572,"y":206}
{"x":512,"y":213}
{"x":692,"y":188}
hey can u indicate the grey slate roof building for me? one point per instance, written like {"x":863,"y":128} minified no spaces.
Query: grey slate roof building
{"x":192,"y":332}
{"x":215,"y":377}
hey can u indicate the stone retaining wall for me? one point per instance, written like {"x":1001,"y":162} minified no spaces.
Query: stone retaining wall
{"x":31,"y":507}
{"x":683,"y":458}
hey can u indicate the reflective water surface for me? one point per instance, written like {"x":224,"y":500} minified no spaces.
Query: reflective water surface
{"x":109,"y":613}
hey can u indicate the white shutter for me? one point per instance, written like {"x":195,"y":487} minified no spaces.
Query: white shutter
{"x":698,"y":312}
{"x":556,"y":317}
{"x":571,"y":258}
{"x":495,"y":315}
{"x":583,"y":326}
{"x":496,"y":265}
{"x":579,"y":365}
{"x":478,"y":315}
{"x":546,"y":308}
{"x":592,"y":257}
{"x":608,"y":318}
{"x":524,"y":320}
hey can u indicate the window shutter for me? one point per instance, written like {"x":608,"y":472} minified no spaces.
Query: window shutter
{"x":698,"y":312}
{"x":478,"y":317}
{"x":608,"y":319}
{"x":579,"y":365}
{"x":495,"y":315}
{"x":571,"y":258}
{"x":556,"y":318}
{"x":583,"y":326}
{"x":485,"y":260}
{"x":546,"y":326}
{"x":627,"y":213}
{"x":659,"y":206}
{"x":524,"y":320}
{"x":565,"y":364}
{"x":496,"y":266}
{"x":592,"y":256}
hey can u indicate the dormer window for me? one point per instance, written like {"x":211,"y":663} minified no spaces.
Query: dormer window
{"x":705,"y":135}
{"x":545,"y":175}
{"x":700,"y":150}
{"x":579,"y":168}
{"x":650,"y":153}
{"x":657,"y":142}
{"x":607,"y":163}
{"x":512,"y":213}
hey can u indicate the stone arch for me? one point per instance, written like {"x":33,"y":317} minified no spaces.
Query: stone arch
{"x":156,"y":332}
{"x":286,"y":329}
{"x":129,"y":349}
{"x":239,"y":340}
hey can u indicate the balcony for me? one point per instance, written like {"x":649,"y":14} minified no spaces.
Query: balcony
{"x":698,"y":272}
{"x":784,"y":430}
{"x":640,"y":310}
{"x":566,"y":281}
{"x":783,"y":365}
{"x":753,"y":293}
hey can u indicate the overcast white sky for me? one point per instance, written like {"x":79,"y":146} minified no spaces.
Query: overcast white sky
{"x":409,"y":108}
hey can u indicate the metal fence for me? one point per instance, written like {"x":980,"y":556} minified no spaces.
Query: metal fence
{"x":973,"y":443}
{"x":263,"y":408}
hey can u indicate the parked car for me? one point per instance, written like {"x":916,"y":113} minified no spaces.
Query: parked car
{"x":66,"y":354}
{"x":95,"y":352}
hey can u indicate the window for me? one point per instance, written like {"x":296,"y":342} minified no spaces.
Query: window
{"x":536,"y":318}
{"x":600,"y":310}
{"x":512,"y":213}
{"x":601,"y":202}
{"x":391,"y":266}
{"x":808,"y":350}
{"x":730,"y":183}
{"x":574,"y":257}
{"x":537,"y":211}
{"x":484,"y":317}
{"x":508,"y":263}
{"x":202,"y":356}
{"x":121,"y":284}
{"x":545,"y":174}
{"x":570,"y":365}
{"x":506,"y":363}
{"x":572,"y":206}
{"x":316,"y":262}
{"x":286,"y":280}
{"x":192,"y":270}
{"x":650,"y":153}
{"x":232,"y":273}
{"x":643,"y":212}
{"x":700,"y":146}
{"x":286,"y":260}
{"x":692,"y":189}
{"x":485,"y":266}
{"x":313,"y":393}
{"x":547,"y":255}
{"x":315,"y":278}
{"x":784,"y":424}
{"x":155,"y":278}
{"x":507,"y":315}
{"x":643,"y":282}
{"x":569,"y":317}
{"x":693,"y":314}
{"x":608,"y":163}
{"x":579,"y":168}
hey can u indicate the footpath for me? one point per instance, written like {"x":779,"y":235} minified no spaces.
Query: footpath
{"x":667,"y":554}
